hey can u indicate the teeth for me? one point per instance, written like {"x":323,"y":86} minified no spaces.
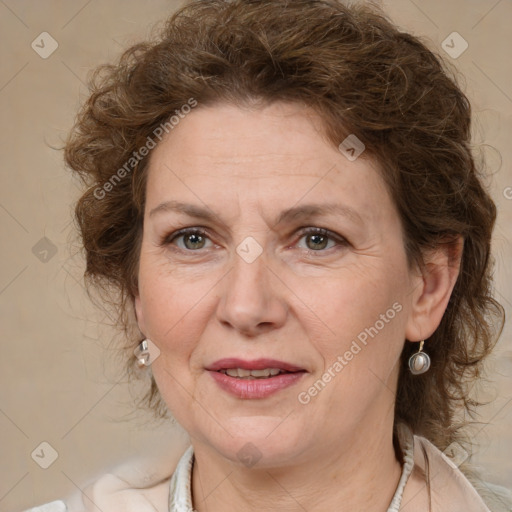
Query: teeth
{"x":251,"y":374}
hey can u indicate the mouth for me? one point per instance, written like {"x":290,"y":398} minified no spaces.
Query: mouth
{"x":254,"y":379}
{"x":253,"y":369}
{"x":242,"y":373}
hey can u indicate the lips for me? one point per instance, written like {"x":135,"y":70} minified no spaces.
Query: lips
{"x":255,"y":364}
{"x":255,"y":379}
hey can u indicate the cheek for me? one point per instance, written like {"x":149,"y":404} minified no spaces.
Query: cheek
{"x":364,"y":315}
{"x":356,"y":299}
{"x":165,"y":301}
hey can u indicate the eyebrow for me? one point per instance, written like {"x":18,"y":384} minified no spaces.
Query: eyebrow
{"x":295,"y":213}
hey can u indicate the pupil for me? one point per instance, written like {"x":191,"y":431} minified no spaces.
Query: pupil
{"x":315,"y":239}
{"x":194,"y":239}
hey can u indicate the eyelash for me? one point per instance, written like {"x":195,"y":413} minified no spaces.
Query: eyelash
{"x":168,"y":239}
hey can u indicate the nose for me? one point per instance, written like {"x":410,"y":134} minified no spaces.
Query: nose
{"x":250,"y":302}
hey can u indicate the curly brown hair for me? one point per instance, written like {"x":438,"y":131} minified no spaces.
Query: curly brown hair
{"x":363,"y":76}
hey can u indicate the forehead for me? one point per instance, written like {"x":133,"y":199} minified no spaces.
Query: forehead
{"x":272,"y":155}
{"x":226,"y":130}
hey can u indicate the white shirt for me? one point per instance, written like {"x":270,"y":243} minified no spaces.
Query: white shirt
{"x":145,"y":486}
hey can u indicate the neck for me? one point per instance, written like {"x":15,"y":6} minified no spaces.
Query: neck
{"x":360,"y":473}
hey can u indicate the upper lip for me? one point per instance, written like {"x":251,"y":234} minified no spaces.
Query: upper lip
{"x":254,"y":364}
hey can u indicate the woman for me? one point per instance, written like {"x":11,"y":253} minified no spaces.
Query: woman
{"x":283,"y":196}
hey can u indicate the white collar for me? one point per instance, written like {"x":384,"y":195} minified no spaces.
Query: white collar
{"x":180,"y":491}
{"x":163,"y":483}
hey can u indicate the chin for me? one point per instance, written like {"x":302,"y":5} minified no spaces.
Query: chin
{"x":264,"y":441}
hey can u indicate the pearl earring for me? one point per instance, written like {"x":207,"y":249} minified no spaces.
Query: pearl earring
{"x":420,"y":362}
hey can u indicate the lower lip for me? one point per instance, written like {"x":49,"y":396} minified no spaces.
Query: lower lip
{"x":255,"y":388}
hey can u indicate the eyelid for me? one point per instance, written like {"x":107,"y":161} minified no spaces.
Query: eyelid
{"x":311,"y":230}
{"x":168,"y":238}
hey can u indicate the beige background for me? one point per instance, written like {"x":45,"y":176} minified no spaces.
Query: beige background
{"x":56,"y":382}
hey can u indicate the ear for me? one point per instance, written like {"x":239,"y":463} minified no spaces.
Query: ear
{"x":434,"y":286}
{"x":139,"y":314}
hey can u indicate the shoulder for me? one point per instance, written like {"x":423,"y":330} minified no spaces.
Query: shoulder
{"x":455,"y":489}
{"x":140,"y":485}
{"x":496,"y":497}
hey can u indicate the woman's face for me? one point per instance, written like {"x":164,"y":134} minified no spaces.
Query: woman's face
{"x":253,"y":284}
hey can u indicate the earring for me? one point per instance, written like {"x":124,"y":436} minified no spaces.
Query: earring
{"x":142,"y":354}
{"x":420,"y":362}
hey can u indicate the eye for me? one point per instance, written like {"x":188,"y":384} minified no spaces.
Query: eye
{"x":191,"y":239}
{"x":318,"y":239}
{"x":195,"y":239}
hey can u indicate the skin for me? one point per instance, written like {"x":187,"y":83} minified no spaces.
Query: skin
{"x":303,"y":300}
